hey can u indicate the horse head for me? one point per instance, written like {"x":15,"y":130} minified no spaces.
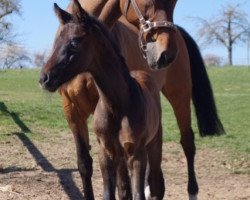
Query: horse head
{"x":154,"y":19}
{"x":67,"y":59}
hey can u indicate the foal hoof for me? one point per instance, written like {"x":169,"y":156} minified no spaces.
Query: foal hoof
{"x":147,"y":193}
{"x":193,"y":197}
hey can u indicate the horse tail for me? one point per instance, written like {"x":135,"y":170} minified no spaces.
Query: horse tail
{"x":208,"y":121}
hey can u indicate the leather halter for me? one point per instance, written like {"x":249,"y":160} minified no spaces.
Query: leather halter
{"x":146,"y":25}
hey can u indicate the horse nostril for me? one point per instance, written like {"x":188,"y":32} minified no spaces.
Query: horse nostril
{"x":165,"y":59}
{"x":44,"y":79}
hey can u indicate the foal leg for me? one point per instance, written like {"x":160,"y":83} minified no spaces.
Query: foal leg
{"x":80,"y":131}
{"x":108,"y":170}
{"x":155,"y":178}
{"x":123,"y":181}
{"x":180,"y":102}
{"x":137,"y":166}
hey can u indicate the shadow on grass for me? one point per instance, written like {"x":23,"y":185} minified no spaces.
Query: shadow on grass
{"x":15,"y":118}
{"x":65,"y":175}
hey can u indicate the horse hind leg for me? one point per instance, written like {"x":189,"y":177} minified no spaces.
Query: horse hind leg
{"x":155,"y":177}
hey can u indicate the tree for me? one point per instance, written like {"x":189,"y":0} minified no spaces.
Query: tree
{"x":7,"y":8}
{"x":40,"y":58}
{"x":228,"y":28}
{"x":212,"y":60}
{"x":13,"y":56}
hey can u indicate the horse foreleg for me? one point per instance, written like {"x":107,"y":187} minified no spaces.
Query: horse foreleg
{"x":108,"y":170}
{"x":123,"y":181}
{"x":155,"y":178}
{"x":137,"y":166}
{"x":78,"y":126}
{"x":180,"y":102}
{"x":84,"y":162}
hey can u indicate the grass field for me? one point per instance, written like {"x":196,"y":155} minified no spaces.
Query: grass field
{"x":25,"y":107}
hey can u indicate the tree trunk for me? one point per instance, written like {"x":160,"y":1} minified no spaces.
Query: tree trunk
{"x":230,"y":55}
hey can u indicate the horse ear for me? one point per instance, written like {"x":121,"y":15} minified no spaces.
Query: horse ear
{"x":63,"y":16}
{"x":80,"y":14}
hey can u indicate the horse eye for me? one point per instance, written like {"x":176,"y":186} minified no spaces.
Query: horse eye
{"x":74,"y":43}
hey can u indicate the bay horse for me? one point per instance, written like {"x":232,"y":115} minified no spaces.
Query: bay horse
{"x":182,"y":79}
{"x":127,"y":117}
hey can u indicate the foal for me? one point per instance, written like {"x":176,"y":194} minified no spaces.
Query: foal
{"x":127,"y":118}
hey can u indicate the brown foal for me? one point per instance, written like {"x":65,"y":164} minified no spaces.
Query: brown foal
{"x":127,"y":117}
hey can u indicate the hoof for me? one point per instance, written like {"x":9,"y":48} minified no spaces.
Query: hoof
{"x":193,"y":197}
{"x":147,"y":193}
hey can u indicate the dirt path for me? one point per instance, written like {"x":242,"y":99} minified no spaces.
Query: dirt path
{"x":35,"y":170}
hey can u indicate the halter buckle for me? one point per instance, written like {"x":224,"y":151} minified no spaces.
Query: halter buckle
{"x":146,"y":25}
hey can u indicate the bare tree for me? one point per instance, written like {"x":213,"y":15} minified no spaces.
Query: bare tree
{"x":212,"y":60}
{"x":13,"y":56}
{"x":7,"y":8}
{"x":40,"y":58}
{"x":227,"y":29}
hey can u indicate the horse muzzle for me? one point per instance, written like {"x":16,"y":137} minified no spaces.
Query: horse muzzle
{"x":159,"y":58}
{"x":46,"y":83}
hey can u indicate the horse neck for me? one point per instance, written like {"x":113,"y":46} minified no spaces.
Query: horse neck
{"x":93,"y":7}
{"x":113,"y":80}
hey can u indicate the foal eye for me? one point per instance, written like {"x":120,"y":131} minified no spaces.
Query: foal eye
{"x":74,"y":43}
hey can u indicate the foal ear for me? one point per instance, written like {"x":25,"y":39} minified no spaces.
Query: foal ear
{"x":80,"y":14}
{"x":63,"y":16}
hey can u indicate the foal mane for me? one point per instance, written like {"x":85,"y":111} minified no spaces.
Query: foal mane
{"x":96,"y":25}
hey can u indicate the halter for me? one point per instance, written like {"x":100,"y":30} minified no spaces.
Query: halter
{"x":146,"y":25}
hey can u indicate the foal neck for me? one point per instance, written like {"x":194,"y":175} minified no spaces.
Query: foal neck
{"x":112,"y":78}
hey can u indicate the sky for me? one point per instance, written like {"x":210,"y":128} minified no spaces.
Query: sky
{"x":37,"y":24}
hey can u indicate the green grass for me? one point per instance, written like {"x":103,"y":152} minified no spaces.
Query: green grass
{"x":39,"y":111}
{"x":21,"y":95}
{"x":232,"y":92}
{"x":231,"y":86}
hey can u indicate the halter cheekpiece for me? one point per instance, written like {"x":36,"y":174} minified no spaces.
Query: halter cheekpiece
{"x":146,"y":25}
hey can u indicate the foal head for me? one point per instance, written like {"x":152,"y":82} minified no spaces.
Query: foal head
{"x":154,"y":18}
{"x":77,"y":45}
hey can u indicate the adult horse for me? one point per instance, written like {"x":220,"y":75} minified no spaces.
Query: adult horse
{"x":183,"y":77}
{"x":127,"y":118}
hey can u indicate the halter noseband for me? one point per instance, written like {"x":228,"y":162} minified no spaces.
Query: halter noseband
{"x":146,"y":25}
